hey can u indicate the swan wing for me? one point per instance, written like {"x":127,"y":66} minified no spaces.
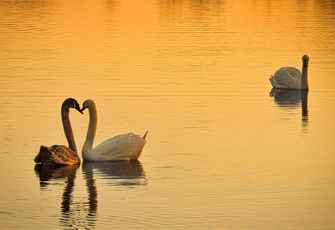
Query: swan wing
{"x":58,"y":154}
{"x":286,"y":78}
{"x":121,"y":147}
{"x":294,"y":72}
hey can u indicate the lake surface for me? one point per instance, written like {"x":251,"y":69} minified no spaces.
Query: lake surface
{"x":223,"y":151}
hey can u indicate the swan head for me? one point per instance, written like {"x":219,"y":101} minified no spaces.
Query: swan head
{"x":71,"y":103}
{"x":305,"y":60}
{"x":87,"y":104}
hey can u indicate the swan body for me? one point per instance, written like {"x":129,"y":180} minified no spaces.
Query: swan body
{"x":291,"y":77}
{"x":60,"y":154}
{"x":123,"y":147}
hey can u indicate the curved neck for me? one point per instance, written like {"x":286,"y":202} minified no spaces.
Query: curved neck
{"x":68,"y":129}
{"x":92,"y":127}
{"x":304,"y":75}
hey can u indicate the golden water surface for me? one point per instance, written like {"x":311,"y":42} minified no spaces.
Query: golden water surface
{"x":221,"y":152}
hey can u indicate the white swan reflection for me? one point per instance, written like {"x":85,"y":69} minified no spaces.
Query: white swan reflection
{"x":287,"y":98}
{"x":83,"y":214}
{"x":123,"y":173}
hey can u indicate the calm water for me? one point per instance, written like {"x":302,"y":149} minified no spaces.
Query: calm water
{"x":223,"y":151}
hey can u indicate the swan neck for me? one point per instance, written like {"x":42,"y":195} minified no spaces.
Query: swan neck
{"x":304,"y":76}
{"x":92,"y":127}
{"x":68,"y":129}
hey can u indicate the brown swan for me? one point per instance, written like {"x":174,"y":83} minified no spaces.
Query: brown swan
{"x":60,"y":154}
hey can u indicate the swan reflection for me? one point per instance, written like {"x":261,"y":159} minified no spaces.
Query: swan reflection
{"x":73,"y":214}
{"x":123,"y":173}
{"x":287,"y":98}
{"x":54,"y":172}
{"x":83,"y":213}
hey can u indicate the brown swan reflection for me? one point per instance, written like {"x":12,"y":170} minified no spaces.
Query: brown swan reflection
{"x":53,"y":172}
{"x":288,"y":98}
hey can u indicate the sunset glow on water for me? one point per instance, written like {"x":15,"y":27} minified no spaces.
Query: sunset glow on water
{"x":221,"y":152}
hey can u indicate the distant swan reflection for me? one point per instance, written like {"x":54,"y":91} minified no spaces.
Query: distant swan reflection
{"x":291,"y":99}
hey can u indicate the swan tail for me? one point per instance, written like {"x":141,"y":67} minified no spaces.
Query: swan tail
{"x":145,"y":135}
{"x":272,"y":81}
{"x":37,"y":158}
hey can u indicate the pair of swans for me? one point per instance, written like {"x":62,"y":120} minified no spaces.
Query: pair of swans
{"x":291,"y":77}
{"x":123,"y":147}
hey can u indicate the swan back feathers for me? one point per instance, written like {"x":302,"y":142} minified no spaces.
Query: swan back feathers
{"x":57,"y":154}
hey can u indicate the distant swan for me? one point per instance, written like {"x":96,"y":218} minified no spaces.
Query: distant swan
{"x":291,"y":77}
{"x":123,"y":147}
{"x":60,"y":154}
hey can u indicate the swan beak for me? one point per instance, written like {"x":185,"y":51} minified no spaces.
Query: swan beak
{"x":79,"y":110}
{"x":82,"y":110}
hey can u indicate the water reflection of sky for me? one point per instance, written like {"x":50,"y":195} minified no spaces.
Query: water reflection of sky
{"x":220,"y":151}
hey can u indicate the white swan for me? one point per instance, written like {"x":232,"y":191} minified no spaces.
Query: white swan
{"x":60,"y":154}
{"x":123,"y":147}
{"x":291,"y":77}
